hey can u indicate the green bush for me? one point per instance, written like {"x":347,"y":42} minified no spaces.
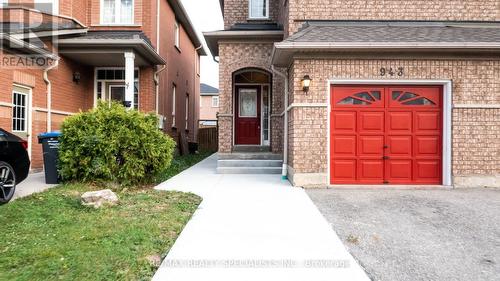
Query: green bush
{"x":112,"y":144}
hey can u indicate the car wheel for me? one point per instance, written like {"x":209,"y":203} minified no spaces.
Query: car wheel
{"x":7,"y":182}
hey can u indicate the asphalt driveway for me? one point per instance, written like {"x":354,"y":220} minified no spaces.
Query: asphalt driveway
{"x":418,"y":234}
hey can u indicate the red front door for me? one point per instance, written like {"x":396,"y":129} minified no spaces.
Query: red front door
{"x":247,"y":115}
{"x":386,"y":135}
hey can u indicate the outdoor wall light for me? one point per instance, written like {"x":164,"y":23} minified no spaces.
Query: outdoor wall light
{"x":306,"y":83}
{"x":77,"y":77}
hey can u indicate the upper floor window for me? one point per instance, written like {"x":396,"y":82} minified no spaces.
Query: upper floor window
{"x":47,"y":6}
{"x":177,"y":31}
{"x":258,"y":9}
{"x":117,"y":11}
{"x":215,"y":101}
{"x":3,"y":3}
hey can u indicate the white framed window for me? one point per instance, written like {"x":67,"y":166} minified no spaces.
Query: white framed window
{"x":117,"y":11}
{"x":174,"y":89}
{"x":3,"y":3}
{"x":215,"y":101}
{"x":47,"y":6}
{"x":187,"y":111}
{"x":258,"y":9}
{"x":106,"y":76}
{"x":177,"y":36}
{"x":19,"y":111}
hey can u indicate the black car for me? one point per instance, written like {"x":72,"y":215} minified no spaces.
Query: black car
{"x":14,"y":164}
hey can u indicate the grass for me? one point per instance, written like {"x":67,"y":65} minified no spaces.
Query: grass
{"x":51,"y":236}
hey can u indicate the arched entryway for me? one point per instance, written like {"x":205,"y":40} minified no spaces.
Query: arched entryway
{"x":252,"y":103}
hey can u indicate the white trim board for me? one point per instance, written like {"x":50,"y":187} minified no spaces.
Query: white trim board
{"x":447,"y":117}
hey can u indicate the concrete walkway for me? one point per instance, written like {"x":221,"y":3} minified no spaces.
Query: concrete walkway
{"x":34,"y":183}
{"x":253,"y":227}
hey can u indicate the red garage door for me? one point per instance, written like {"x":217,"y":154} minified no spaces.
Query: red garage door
{"x":386,"y":135}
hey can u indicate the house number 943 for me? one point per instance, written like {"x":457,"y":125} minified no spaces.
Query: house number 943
{"x":389,"y":71}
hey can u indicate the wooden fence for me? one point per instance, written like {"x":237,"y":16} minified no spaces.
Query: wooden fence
{"x":208,"y":139}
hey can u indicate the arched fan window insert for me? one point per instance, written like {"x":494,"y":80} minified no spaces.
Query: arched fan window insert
{"x":362,"y":98}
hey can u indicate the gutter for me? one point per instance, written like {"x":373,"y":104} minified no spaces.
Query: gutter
{"x":49,"y":93}
{"x":284,"y":172}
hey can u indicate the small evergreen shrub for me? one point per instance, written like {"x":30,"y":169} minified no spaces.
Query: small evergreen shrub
{"x":112,"y":144}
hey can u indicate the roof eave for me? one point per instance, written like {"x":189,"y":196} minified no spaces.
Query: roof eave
{"x":138,"y":45}
{"x":283,"y":53}
{"x":213,"y":38}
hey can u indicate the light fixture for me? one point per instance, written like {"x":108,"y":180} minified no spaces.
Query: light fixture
{"x":77,"y":77}
{"x":306,"y":83}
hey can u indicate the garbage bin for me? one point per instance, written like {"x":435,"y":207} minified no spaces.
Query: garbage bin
{"x":50,"y":146}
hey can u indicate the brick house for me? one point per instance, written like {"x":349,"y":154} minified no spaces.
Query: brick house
{"x":209,"y":105}
{"x":144,"y":53}
{"x":361,"y":92}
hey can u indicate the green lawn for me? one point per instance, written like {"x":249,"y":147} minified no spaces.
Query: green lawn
{"x":51,"y":236}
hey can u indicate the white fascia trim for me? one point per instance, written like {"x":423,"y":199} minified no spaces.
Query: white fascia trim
{"x":447,"y":115}
{"x":231,"y":33}
{"x":387,"y":45}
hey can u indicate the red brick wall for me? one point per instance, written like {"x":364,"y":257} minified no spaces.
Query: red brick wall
{"x":181,"y":72}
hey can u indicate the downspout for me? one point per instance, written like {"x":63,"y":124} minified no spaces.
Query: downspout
{"x":49,"y":93}
{"x":156,"y":78}
{"x":284,"y":172}
{"x":194,"y":82}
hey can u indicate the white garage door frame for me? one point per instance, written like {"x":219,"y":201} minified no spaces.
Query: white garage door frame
{"x":447,"y":117}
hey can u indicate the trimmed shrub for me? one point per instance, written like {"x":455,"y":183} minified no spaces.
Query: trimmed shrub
{"x":112,"y":144}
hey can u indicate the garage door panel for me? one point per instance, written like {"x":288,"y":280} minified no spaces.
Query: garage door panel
{"x":344,"y":171}
{"x":426,"y":146}
{"x":399,"y":171}
{"x":371,"y":146}
{"x":399,"y":146}
{"x":427,"y":122}
{"x":428,"y":171}
{"x":344,"y":122}
{"x":371,"y":170}
{"x":344,"y":146}
{"x":399,"y":123}
{"x":371,"y":122}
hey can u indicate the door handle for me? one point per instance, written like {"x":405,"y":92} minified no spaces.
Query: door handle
{"x":386,"y":157}
{"x":386,"y":146}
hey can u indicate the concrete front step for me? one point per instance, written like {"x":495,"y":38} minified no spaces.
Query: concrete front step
{"x":251,"y":148}
{"x":248,"y":170}
{"x":249,"y":163}
{"x":250,"y":156}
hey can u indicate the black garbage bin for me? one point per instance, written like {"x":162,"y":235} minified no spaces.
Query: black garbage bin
{"x":50,"y":146}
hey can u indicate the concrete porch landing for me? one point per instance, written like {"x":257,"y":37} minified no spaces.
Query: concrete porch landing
{"x":253,"y":227}
{"x":250,"y":159}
